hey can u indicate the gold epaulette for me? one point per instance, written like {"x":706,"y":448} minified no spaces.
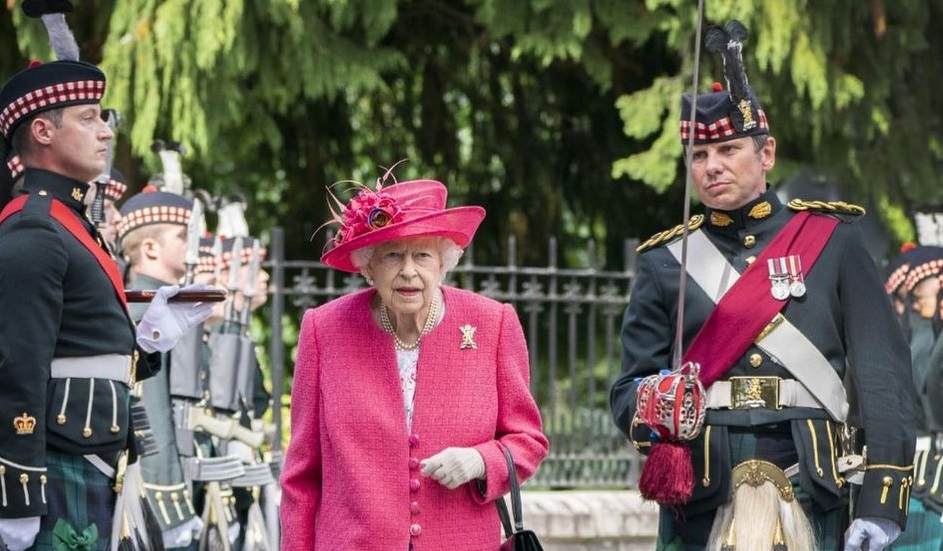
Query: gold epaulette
{"x":828,"y":207}
{"x":667,"y":235}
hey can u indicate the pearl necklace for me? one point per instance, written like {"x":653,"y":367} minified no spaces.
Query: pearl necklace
{"x":429,"y":325}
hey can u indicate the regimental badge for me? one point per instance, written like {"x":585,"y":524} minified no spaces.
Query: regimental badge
{"x":760,"y":210}
{"x":77,"y":194}
{"x":747,"y":111}
{"x":24,"y":424}
{"x":786,"y":278}
{"x":720,"y":219}
{"x":468,"y":337}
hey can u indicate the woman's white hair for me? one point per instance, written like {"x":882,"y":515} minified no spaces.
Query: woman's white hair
{"x":449,"y":253}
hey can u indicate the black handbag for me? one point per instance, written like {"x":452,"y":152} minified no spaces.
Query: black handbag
{"x":518,"y":539}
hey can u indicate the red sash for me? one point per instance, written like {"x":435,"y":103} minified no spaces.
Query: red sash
{"x":73,"y":225}
{"x":747,"y":307}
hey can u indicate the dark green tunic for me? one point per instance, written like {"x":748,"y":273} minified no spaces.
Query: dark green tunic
{"x":167,"y":490}
{"x":847,"y":316}
{"x":56,"y":301}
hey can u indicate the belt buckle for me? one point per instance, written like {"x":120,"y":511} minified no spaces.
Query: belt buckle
{"x":754,"y":393}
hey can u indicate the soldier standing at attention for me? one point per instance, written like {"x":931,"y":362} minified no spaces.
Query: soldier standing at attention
{"x":783,"y":310}
{"x":68,"y":349}
{"x":153,"y":237}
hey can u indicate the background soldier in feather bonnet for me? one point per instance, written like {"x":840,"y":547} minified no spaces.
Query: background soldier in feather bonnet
{"x":68,"y":349}
{"x":406,"y":394}
{"x":769,"y":461}
{"x":921,"y":290}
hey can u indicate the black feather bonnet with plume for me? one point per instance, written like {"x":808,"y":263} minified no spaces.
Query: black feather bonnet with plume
{"x":725,"y":115}
{"x":46,"y":86}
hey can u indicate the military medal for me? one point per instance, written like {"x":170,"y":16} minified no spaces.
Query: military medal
{"x":779,"y":278}
{"x":780,"y":289}
{"x":797,"y":287}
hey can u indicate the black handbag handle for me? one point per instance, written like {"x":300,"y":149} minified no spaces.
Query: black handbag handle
{"x":515,"y":499}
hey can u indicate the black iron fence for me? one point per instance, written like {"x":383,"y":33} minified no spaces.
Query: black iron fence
{"x":571,"y":318}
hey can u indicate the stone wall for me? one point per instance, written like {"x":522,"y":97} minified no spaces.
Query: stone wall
{"x":586,"y":520}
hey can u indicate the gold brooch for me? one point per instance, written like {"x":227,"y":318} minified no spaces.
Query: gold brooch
{"x":468,"y":337}
{"x":24,"y":424}
{"x":77,"y":194}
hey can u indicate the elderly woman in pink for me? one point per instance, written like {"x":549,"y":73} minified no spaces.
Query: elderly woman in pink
{"x":406,"y":393}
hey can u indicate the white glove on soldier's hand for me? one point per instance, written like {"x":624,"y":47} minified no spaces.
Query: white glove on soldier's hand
{"x":19,"y":533}
{"x":878,"y":532}
{"x":183,"y":535}
{"x":453,"y":467}
{"x":164,"y":323}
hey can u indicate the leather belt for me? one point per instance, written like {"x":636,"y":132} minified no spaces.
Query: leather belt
{"x":213,"y":469}
{"x":744,"y":393}
{"x":116,"y":367}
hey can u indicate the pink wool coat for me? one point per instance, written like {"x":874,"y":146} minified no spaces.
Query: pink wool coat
{"x":352,"y":477}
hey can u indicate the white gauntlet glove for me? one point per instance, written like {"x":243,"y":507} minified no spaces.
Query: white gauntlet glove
{"x":19,"y":533}
{"x":453,"y":467}
{"x":878,"y":532}
{"x":183,"y":535}
{"x":163,"y":324}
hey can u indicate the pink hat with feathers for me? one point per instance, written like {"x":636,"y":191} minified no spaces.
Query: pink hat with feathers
{"x":414,"y":208}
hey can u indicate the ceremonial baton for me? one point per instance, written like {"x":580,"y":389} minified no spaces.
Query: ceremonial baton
{"x":184,"y":295}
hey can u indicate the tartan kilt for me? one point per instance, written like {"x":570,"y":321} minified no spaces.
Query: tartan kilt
{"x":924,"y":530}
{"x":78,"y":494}
{"x":677,"y":532}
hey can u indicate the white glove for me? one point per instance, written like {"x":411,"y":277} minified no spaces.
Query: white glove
{"x":233,"y":532}
{"x":19,"y":533}
{"x":163,"y":324}
{"x":453,"y":467}
{"x":878,"y":532}
{"x":183,"y":535}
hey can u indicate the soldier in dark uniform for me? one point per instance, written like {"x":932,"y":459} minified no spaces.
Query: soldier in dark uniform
{"x":775,"y":399}
{"x":253,"y":401}
{"x":920,"y":289}
{"x":894,"y":284}
{"x":68,"y":349}
{"x":153,"y":235}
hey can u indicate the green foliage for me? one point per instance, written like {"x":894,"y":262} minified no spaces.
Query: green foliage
{"x":848,"y":87}
{"x":645,"y":112}
{"x":559,"y":116}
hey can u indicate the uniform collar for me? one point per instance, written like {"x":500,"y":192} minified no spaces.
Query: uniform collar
{"x":45,"y":183}
{"x":143,"y":281}
{"x":753,"y":213}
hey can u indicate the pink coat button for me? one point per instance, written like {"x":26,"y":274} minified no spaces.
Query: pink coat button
{"x":415,"y":530}
{"x":414,"y":508}
{"x":413,"y":440}
{"x":414,"y":485}
{"x":413,"y":464}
